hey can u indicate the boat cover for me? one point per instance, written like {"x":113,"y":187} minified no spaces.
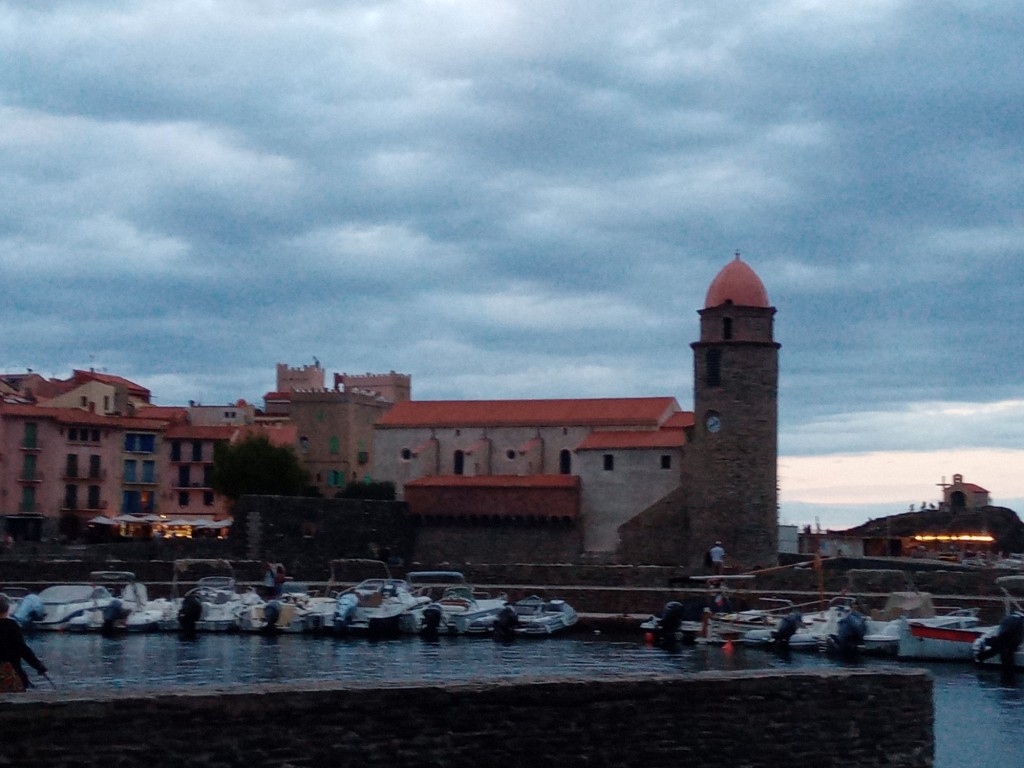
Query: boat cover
{"x":913,"y":605}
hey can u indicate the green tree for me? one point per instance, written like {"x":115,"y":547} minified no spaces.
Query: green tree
{"x":255,"y":466}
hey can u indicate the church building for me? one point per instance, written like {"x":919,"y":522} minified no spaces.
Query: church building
{"x":629,"y":480}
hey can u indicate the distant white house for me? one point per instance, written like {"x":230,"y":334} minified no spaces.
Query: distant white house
{"x":789,"y":539}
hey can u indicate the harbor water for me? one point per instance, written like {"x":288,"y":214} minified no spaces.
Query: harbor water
{"x":979,"y":714}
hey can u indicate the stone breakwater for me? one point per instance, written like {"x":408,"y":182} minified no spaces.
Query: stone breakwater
{"x":847,"y":718}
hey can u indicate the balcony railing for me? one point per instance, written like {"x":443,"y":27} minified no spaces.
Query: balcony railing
{"x":31,"y":477}
{"x":79,"y":477}
{"x":86,"y":509}
{"x":31,"y":445}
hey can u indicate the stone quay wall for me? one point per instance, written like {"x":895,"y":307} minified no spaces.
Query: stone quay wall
{"x":842,"y":718}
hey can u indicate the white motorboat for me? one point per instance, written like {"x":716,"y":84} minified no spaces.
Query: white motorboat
{"x":719,"y":622}
{"x":907,"y":615}
{"x":64,"y":602}
{"x":1001,"y":645}
{"x":840,"y":624}
{"x":316,"y":610}
{"x":213,"y":604}
{"x":271,"y":616}
{"x":537,"y":616}
{"x":298,"y":609}
{"x":709,"y":619}
{"x":948,"y":638}
{"x":130,"y":608}
{"x":532,"y":616}
{"x":375,"y":606}
{"x":457,"y":606}
{"x":883,"y":633}
{"x":26,"y":607}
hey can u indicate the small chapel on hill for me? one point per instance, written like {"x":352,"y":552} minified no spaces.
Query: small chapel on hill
{"x":628,"y":480}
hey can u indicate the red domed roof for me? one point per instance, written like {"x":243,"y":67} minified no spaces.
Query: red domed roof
{"x":737,"y":284}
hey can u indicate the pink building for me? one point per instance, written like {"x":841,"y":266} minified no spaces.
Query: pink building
{"x":186,"y":489}
{"x":72,"y":465}
{"x":186,"y":453}
{"x":93,"y":448}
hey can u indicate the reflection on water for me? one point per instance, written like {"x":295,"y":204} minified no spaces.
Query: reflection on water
{"x":979,"y":714}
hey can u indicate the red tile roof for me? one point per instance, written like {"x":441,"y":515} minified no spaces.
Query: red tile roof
{"x":637,"y":411}
{"x":491,"y":497}
{"x":626,"y":439}
{"x":679,"y":420}
{"x":189,"y":432}
{"x":76,"y":416}
{"x":79,"y":377}
{"x":973,"y":488}
{"x":162,"y":412}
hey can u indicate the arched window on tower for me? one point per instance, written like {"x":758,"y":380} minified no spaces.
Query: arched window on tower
{"x":713,"y":368}
{"x":727,"y":328}
{"x":459,"y":461}
{"x":565,"y":462}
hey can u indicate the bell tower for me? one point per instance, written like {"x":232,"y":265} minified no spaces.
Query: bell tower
{"x":730,"y":465}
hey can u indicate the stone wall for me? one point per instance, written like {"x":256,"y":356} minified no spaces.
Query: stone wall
{"x":847,"y":718}
{"x":307,"y":533}
{"x":503,"y":543}
{"x":730,"y":463}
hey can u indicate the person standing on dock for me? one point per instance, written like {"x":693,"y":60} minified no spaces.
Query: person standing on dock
{"x":717,"y":556}
{"x":13,"y":649}
{"x":280,"y":577}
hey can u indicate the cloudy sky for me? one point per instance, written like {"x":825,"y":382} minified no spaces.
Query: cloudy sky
{"x":529,"y":199}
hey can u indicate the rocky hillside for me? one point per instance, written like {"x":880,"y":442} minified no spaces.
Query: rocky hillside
{"x":1002,"y":523}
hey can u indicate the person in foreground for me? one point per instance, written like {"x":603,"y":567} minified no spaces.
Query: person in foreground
{"x":13,"y":649}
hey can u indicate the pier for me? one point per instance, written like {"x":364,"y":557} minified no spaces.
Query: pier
{"x":760,"y":719}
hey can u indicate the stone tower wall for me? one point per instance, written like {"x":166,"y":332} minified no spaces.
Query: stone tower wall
{"x":393,"y":387}
{"x":306,"y":377}
{"x":731,"y":474}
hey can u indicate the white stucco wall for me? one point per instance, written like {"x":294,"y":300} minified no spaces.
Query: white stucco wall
{"x":611,"y":497}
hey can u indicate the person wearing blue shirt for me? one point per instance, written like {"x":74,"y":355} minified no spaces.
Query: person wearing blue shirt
{"x":717,"y":556}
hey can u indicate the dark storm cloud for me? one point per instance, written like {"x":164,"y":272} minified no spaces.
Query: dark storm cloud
{"x":522,"y":199}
